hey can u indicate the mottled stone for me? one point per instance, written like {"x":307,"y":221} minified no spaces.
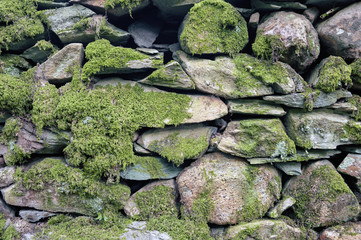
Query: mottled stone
{"x":290,"y":168}
{"x":7,"y":176}
{"x":346,"y":231}
{"x":137,"y":231}
{"x":255,"y":107}
{"x":34,"y":216}
{"x":280,"y":207}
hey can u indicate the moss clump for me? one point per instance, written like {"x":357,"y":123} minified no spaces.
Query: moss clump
{"x":102,"y":55}
{"x":10,"y":130}
{"x":150,"y":165}
{"x":10,"y":234}
{"x":129,"y":4}
{"x":214,"y":26}
{"x":333,"y":74}
{"x":13,"y":64}
{"x":176,"y":148}
{"x":355,"y":100}
{"x":267,"y":46}
{"x":353,"y":131}
{"x":156,"y":202}
{"x":84,"y":228}
{"x":356,"y":70}
{"x":47,"y":47}
{"x":162,"y":76}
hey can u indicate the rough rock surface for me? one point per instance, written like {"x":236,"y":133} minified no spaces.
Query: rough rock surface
{"x":351,"y":166}
{"x":346,"y":231}
{"x":137,"y":231}
{"x":34,"y":216}
{"x":7,"y":176}
{"x":280,"y":207}
{"x":255,"y":107}
{"x":322,"y":196}
{"x":290,"y":168}
{"x":227,"y":190}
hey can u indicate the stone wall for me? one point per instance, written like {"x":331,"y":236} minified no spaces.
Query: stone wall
{"x":180,"y":119}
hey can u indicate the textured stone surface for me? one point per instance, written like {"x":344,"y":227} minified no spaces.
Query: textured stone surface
{"x":280,"y":207}
{"x":227,"y":184}
{"x":145,"y":31}
{"x":290,"y":168}
{"x":137,"y":231}
{"x":7,"y":176}
{"x":34,"y":216}
{"x":255,"y":107}
{"x":346,"y":231}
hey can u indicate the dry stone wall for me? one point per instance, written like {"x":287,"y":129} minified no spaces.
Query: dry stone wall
{"x":180,"y":119}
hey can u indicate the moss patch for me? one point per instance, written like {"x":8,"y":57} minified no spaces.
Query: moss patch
{"x":356,"y":70}
{"x":150,"y":165}
{"x":353,"y":131}
{"x":267,"y":46}
{"x":125,"y":4}
{"x":355,"y":100}
{"x":214,"y":26}
{"x":10,"y":130}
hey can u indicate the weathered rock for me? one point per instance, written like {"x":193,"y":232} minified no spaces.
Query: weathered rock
{"x":178,"y":143}
{"x":322,"y":196}
{"x":289,"y":37}
{"x":255,"y":107}
{"x":340,"y":33}
{"x":148,"y":168}
{"x":351,"y":166}
{"x":290,"y":168}
{"x":145,"y":31}
{"x":114,"y":81}
{"x":225,"y":190}
{"x":219,"y":77}
{"x":309,"y":100}
{"x":137,"y":231}
{"x":345,"y":107}
{"x":319,"y":129}
{"x":268,"y":229}
{"x":171,"y":75}
{"x":40,"y":52}
{"x":13,"y":64}
{"x":346,"y":231}
{"x":280,"y":207}
{"x":257,"y":138}
{"x":327,"y":3}
{"x":141,"y":150}
{"x":7,"y":176}
{"x":51,"y":4}
{"x":300,"y":156}
{"x":277,"y":5}
{"x":6,"y":210}
{"x":254,"y":21}
{"x":351,"y":149}
{"x":211,"y":27}
{"x":311,"y":14}
{"x":34,"y":216}
{"x":153,"y":200}
{"x":330,"y":74}
{"x":173,"y":9}
{"x":57,"y":69}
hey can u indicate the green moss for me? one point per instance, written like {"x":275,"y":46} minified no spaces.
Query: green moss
{"x":84,"y":228}
{"x":125,"y":4}
{"x":176,"y":148}
{"x":267,"y":46}
{"x":10,"y":130}
{"x":12,"y":10}
{"x":355,"y":100}
{"x":156,"y":202}
{"x":161,"y":75}
{"x":214,"y":26}
{"x":150,"y":165}
{"x":353,"y":131}
{"x":356,"y":70}
{"x":102,"y":55}
{"x":249,"y":231}
{"x":13,"y":64}
{"x":333,"y":74}
{"x":47,"y":46}
{"x":10,"y":234}
{"x":310,"y":95}
{"x":16,"y":155}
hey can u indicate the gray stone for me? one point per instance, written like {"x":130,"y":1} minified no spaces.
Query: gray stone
{"x":322,"y":197}
{"x":345,"y":107}
{"x":253,"y":21}
{"x":57,"y":69}
{"x":148,"y":51}
{"x":311,"y":14}
{"x":39,"y":55}
{"x":280,"y":207}
{"x":7,"y":176}
{"x":155,"y":205}
{"x":238,"y":191}
{"x":276,"y":5}
{"x":34,"y":216}
{"x":319,"y":129}
{"x":351,"y":149}
{"x":351,"y":166}
{"x":340,"y":33}
{"x":255,"y":107}
{"x":256,"y":138}
{"x":145,"y":31}
{"x":171,"y":75}
{"x":141,"y":150}
{"x":268,"y":229}
{"x":300,"y":156}
{"x":51,"y":4}
{"x":290,"y":168}
{"x":150,"y":168}
{"x":114,"y":81}
{"x":346,"y":231}
{"x":316,"y":100}
{"x":137,"y":231}
{"x":6,"y":210}
{"x":13,"y":64}
{"x":178,"y":143}
{"x":291,"y":39}
{"x":218,"y":77}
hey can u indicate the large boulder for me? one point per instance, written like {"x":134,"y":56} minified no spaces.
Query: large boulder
{"x":222,"y":189}
{"x":322,"y":196}
{"x":257,"y":138}
{"x":213,"y":26}
{"x":341,"y":33}
{"x":288,"y":37}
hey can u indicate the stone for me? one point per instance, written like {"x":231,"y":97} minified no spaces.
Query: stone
{"x":174,"y":9}
{"x":330,"y":74}
{"x":268,"y":229}
{"x":147,"y":168}
{"x":170,"y":75}
{"x":351,"y":149}
{"x":40,"y":52}
{"x":290,"y":168}
{"x":153,"y":200}
{"x":300,"y":156}
{"x":326,"y":3}
{"x":51,"y":4}
{"x":311,"y":14}
{"x":212,"y":27}
{"x":219,"y":77}
{"x":145,"y":31}
{"x":13,"y":64}
{"x":6,"y":210}
{"x":34,"y":216}
{"x":351,"y":166}
{"x":288,"y":37}
{"x":255,"y":107}
{"x":141,"y":150}
{"x":276,"y":5}
{"x":257,"y":138}
{"x":253,"y":21}
{"x":346,"y":231}
{"x":7,"y":176}
{"x":57,"y":69}
{"x":340,"y":33}
{"x":114,"y":81}
{"x":345,"y":107}
{"x":356,"y":71}
{"x":177,"y":144}
{"x":319,"y":129}
{"x":137,"y":231}
{"x":280,"y":207}
{"x":223,"y":189}
{"x":309,"y":100}
{"x":322,"y":196}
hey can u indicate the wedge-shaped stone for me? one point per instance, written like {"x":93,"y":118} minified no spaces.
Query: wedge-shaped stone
{"x":255,"y":107}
